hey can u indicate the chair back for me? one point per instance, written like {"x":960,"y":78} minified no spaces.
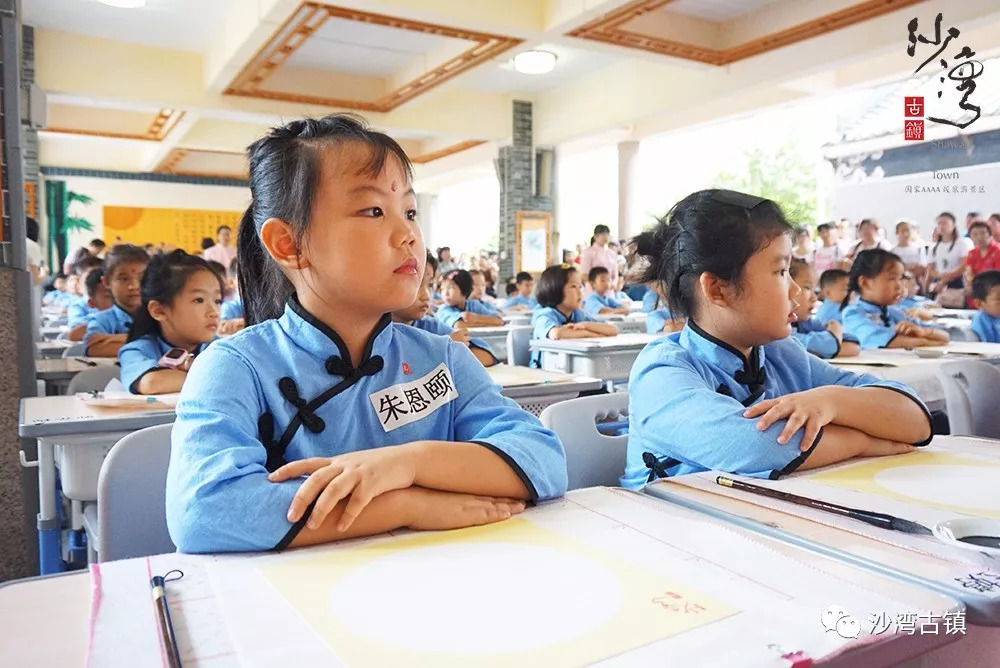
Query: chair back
{"x":592,"y":459}
{"x":95,"y":379}
{"x":518,"y":340}
{"x":131,"y":496}
{"x":971,"y":389}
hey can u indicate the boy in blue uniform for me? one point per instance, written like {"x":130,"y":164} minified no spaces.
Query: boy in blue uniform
{"x":559,"y":316}
{"x":877,"y":277}
{"x":832,"y":290}
{"x":523,"y":299}
{"x":731,"y":391}
{"x":598,"y":303}
{"x":986,"y":298}
{"x":324,"y":420}
{"x":459,"y":309}
{"x":107,"y":330}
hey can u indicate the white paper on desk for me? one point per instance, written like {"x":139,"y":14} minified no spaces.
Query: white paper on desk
{"x":122,"y":399}
{"x":124,"y":628}
{"x":779,"y":597}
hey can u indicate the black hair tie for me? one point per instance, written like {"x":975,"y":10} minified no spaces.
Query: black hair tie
{"x":290,"y":391}
{"x":742,"y":200}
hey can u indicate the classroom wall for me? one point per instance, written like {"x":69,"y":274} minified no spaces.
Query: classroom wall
{"x":888,"y":200}
{"x":140,"y":193}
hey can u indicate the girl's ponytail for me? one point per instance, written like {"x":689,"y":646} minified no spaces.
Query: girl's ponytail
{"x":263,"y":288}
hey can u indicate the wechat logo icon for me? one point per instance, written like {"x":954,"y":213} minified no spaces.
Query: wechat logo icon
{"x":835,"y":618}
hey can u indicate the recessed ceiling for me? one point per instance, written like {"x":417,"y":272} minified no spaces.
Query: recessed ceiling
{"x":151,"y":125}
{"x":195,"y":162}
{"x":571,"y":63}
{"x":716,"y":10}
{"x":190,"y":25}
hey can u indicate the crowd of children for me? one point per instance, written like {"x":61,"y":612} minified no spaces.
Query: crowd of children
{"x":363,"y":403}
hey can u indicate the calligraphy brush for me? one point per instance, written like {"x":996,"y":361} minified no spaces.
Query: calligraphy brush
{"x":880,"y":520}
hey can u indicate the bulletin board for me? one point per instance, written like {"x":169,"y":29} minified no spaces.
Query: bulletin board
{"x":181,"y":228}
{"x":533,"y":241}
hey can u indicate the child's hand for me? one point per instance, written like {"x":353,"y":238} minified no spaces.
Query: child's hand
{"x":231,"y":326}
{"x":908,"y":329}
{"x":578,"y":326}
{"x":880,"y":447}
{"x":836,"y":329}
{"x":812,"y":409}
{"x":460,"y":335}
{"x":438,"y":511}
{"x":361,"y":475}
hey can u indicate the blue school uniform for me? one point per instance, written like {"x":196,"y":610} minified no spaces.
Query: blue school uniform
{"x":449,"y":315}
{"x":139,"y":357}
{"x":286,"y":390}
{"x":543,"y":319}
{"x":518,"y":300}
{"x":687,"y":395}
{"x":435,"y":326}
{"x":649,"y":301}
{"x":595,"y":302}
{"x":232,"y":309}
{"x":815,"y":338}
{"x":657,"y":320}
{"x":986,"y":327}
{"x":828,"y":310}
{"x":79,"y":311}
{"x":114,"y":320}
{"x":873,"y":325}
{"x":622,"y":297}
{"x":913,"y":301}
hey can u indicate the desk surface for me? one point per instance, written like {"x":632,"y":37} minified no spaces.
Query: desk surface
{"x":522,"y":381}
{"x":631,"y":341}
{"x":854,"y":541}
{"x":641,"y":531}
{"x":42,"y":417}
{"x":48,"y":349}
{"x":65,"y":368}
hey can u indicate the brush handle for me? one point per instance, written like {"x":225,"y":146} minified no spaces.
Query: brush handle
{"x":875,"y":519}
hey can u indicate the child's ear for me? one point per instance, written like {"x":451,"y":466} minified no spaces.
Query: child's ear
{"x":715,"y":290}
{"x":978,"y":303}
{"x":864,"y":282}
{"x":278,"y":238}
{"x":157,"y":311}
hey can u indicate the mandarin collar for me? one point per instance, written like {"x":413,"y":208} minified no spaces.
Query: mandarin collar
{"x":720,"y":353}
{"x":320,"y":340}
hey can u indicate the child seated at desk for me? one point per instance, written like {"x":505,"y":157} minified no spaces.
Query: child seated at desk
{"x":832,"y":290}
{"x":231,"y":312}
{"x":179,"y":317}
{"x":107,"y":330}
{"x":323,"y":420}
{"x":559,"y":316}
{"x":459,"y":309}
{"x":732,"y":391}
{"x":59,"y":296}
{"x":415,"y":315}
{"x":661,"y":320}
{"x":98,"y":299}
{"x":79,"y":310}
{"x":877,"y":277}
{"x":598,"y":303}
{"x":912,"y":304}
{"x":986,"y":298}
{"x":522,"y":299}
{"x":826,"y":341}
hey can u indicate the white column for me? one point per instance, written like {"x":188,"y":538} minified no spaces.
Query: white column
{"x":425,"y":214}
{"x":629,"y":224}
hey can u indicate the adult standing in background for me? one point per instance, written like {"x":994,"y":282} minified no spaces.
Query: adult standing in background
{"x":223,"y":251}
{"x":36,"y":267}
{"x":599,"y":255}
{"x":947,"y":263}
{"x":994,"y":221}
{"x":95,"y":248}
{"x":446,"y":264}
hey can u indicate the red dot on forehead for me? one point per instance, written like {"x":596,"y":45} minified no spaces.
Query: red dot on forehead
{"x":394,"y":186}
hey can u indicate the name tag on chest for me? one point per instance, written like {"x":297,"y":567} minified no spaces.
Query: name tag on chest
{"x":402,"y":404}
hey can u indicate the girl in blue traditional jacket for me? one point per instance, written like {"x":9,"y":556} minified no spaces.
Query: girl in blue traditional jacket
{"x":732,"y":391}
{"x":323,"y":420}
